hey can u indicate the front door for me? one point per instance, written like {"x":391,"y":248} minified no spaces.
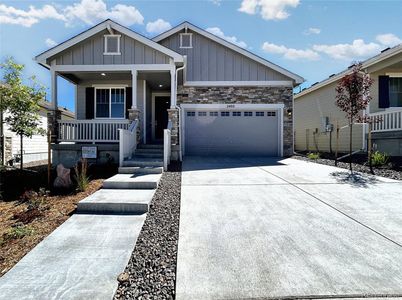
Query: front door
{"x":162,"y":104}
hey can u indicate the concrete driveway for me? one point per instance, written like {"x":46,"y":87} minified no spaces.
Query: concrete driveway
{"x":269,"y":228}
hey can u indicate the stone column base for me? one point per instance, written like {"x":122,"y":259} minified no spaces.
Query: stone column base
{"x":53,"y":117}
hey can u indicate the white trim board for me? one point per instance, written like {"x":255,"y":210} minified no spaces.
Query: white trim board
{"x":239,"y":83}
{"x":41,"y":58}
{"x":298,"y":79}
{"x":102,"y":68}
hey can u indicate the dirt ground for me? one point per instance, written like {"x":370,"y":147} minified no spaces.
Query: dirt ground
{"x":24,"y":224}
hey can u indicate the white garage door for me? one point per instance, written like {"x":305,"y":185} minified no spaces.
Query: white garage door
{"x":232,"y":132}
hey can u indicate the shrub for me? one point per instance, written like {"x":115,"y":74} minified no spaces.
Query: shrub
{"x":313,"y":155}
{"x":16,"y":232}
{"x":379,"y":159}
{"x":81,"y":175}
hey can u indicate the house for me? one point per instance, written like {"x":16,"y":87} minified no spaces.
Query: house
{"x":35,"y":149}
{"x":213,"y":97}
{"x":316,"y":115}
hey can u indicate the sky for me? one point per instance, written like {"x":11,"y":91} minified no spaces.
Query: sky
{"x":313,"y":39}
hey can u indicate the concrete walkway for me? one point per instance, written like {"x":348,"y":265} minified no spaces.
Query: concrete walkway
{"x":267,"y":228}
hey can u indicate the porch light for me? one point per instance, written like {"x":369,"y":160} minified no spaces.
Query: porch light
{"x":103,"y":74}
{"x":161,"y":85}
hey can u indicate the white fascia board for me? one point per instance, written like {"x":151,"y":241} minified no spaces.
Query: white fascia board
{"x":41,"y":58}
{"x":239,"y":83}
{"x":114,"y":68}
{"x":366,"y":64}
{"x":234,"y":106}
{"x":298,"y":79}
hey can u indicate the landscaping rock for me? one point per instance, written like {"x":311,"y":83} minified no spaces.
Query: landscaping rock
{"x":152,"y":266}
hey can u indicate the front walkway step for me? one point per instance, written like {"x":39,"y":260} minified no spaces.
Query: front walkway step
{"x":129,"y":181}
{"x":150,"y":150}
{"x":140,"y":170}
{"x":150,"y":146}
{"x":148,"y":155}
{"x":107,"y":201}
{"x":143,"y":162}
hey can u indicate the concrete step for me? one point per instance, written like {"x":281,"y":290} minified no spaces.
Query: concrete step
{"x":150,"y":150}
{"x":150,"y":146}
{"x":107,"y":201}
{"x":129,"y":181}
{"x":148,"y":155}
{"x":143,"y":162}
{"x":140,"y":170}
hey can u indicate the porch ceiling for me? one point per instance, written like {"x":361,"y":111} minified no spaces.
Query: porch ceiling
{"x":156,"y":79}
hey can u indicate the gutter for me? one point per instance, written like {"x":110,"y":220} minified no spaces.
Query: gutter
{"x":179,"y":109}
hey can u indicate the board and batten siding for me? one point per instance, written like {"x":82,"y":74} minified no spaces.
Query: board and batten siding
{"x":308,"y":111}
{"x":90,"y":52}
{"x":211,"y":61}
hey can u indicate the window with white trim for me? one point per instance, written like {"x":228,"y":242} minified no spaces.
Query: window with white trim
{"x":110,"y":103}
{"x":112,"y":44}
{"x":395,"y":91}
{"x":186,"y":40}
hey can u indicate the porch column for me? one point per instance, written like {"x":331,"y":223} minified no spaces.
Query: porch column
{"x":134,"y":88}
{"x":173,"y":88}
{"x":53,"y":114}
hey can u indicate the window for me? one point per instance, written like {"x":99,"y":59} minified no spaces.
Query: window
{"x":271,"y":113}
{"x":191,"y":114}
{"x":202,"y":113}
{"x":224,"y":114}
{"x":259,"y":114}
{"x":110,"y":103}
{"x":186,"y":40}
{"x":213,"y":113}
{"x":112,"y":44}
{"x":395,"y":91}
{"x":248,"y":113}
{"x":236,"y":114}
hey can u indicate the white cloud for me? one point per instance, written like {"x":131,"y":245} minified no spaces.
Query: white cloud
{"x":388,"y":39}
{"x":357,"y":49}
{"x":50,"y":43}
{"x":158,"y":26}
{"x":27,"y":18}
{"x":93,"y":11}
{"x":86,"y":11}
{"x":218,"y":32}
{"x":312,"y":30}
{"x":290,"y":53}
{"x":269,"y":9}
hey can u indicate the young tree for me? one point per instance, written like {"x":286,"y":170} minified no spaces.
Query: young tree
{"x":353,"y":97}
{"x":21,"y":102}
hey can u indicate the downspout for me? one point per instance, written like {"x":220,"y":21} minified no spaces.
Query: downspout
{"x":179,"y":109}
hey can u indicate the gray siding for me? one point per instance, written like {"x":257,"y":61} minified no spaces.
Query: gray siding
{"x":90,"y":52}
{"x":211,"y":61}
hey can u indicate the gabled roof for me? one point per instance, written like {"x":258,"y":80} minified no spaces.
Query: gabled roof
{"x":298,"y":79}
{"x":41,"y":58}
{"x":383,"y":55}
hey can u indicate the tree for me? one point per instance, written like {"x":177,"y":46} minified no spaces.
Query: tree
{"x":353,"y":97}
{"x":21,"y":102}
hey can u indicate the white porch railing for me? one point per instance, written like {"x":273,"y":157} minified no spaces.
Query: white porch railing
{"x":386,"y":121}
{"x":167,"y":151}
{"x":127,"y":141}
{"x":91,"y":130}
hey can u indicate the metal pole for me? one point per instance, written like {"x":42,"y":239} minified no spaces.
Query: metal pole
{"x":337,"y":143}
{"x":49,"y":157}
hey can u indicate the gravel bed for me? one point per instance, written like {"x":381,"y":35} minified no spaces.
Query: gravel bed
{"x":383,"y":172}
{"x":152,"y":266}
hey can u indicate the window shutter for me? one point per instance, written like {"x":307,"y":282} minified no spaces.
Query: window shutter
{"x":383,"y":91}
{"x":129,"y":99}
{"x":89,"y":103}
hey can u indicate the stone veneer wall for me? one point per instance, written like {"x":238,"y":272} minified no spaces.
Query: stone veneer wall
{"x":245,"y":95}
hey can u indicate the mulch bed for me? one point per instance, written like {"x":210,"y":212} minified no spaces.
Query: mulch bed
{"x":358,"y":166}
{"x":24,"y":224}
{"x":152,"y":267}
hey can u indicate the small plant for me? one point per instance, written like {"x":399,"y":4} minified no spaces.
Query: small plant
{"x":17,"y":232}
{"x":81,"y":175}
{"x":379,"y":159}
{"x":313,"y":156}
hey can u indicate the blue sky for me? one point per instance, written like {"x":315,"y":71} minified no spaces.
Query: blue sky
{"x":311,"y":38}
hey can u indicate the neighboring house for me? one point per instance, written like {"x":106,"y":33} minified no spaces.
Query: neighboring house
{"x":316,"y":112}
{"x":34,"y":148}
{"x":217,"y":98}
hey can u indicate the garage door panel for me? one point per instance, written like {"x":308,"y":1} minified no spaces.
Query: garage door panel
{"x":231,"y":135}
